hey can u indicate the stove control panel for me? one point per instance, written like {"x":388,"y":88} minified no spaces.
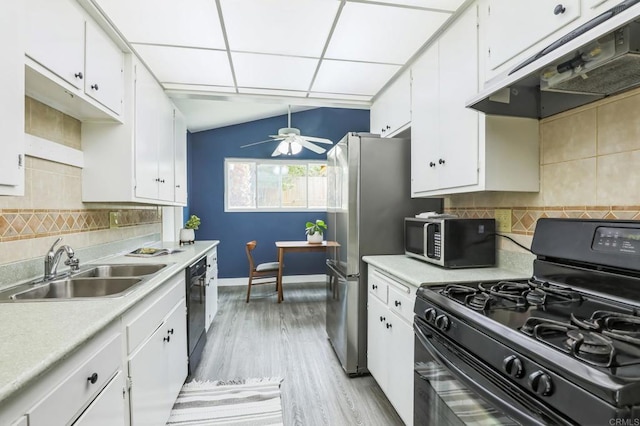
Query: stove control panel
{"x":617,"y":240}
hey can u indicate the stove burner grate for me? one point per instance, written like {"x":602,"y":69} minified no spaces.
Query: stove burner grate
{"x":586,"y":345}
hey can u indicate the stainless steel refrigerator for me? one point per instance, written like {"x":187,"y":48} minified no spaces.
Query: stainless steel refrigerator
{"x":368,"y":197}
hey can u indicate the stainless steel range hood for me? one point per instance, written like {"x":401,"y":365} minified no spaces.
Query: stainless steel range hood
{"x":597,"y":59}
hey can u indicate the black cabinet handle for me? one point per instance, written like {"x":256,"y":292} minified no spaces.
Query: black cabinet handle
{"x":166,"y":339}
{"x":432,"y":164}
{"x":170,"y":331}
{"x":94,"y":86}
{"x":388,"y":127}
{"x":559,"y":9}
{"x":397,"y":303}
{"x":441,"y":161}
{"x":388,"y":325}
{"x":93,"y":378}
{"x":78,"y":75}
{"x":383,"y":130}
{"x":373,"y":286}
{"x":382,"y":319}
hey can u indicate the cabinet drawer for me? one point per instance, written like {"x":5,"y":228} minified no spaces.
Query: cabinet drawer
{"x":378,"y":285}
{"x":64,"y":401}
{"x":143,"y":322}
{"x":401,"y":302}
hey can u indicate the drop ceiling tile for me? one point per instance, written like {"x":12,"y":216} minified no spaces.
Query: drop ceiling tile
{"x":273,"y":71}
{"x":187,"y":66}
{"x":298,"y":28}
{"x":192,"y":23}
{"x":376,"y":33}
{"x":450,"y":5}
{"x":273,"y":92}
{"x":356,"y":78}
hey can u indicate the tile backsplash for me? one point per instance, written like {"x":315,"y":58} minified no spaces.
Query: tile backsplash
{"x":52,"y":205}
{"x":589,"y":168}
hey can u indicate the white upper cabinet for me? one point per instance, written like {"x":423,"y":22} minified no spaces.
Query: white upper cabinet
{"x":70,"y":54}
{"x":455,"y":149}
{"x":180,"y":157}
{"x":391,"y":111}
{"x":444,"y":134}
{"x":104,"y":69}
{"x":154,"y":135}
{"x":55,"y":38}
{"x":515,"y":25}
{"x":142,"y":148}
{"x":12,"y":99}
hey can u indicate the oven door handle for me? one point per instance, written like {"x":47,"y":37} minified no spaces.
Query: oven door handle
{"x":493,"y":392}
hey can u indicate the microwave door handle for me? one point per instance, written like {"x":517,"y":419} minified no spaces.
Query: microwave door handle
{"x":426,"y":239}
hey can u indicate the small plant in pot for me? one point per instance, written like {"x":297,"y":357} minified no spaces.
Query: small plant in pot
{"x":315,"y":231}
{"x":187,"y":234}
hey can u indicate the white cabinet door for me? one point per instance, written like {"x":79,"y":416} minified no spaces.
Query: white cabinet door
{"x":166,"y":149}
{"x":108,"y":408}
{"x":147,"y":368}
{"x":211,"y":303}
{"x":458,"y":61}
{"x":104,"y":69}
{"x":425,"y":121}
{"x":400,"y":344}
{"x":516,"y":25}
{"x":377,"y":320}
{"x":158,"y":370}
{"x":177,"y":357}
{"x":146,"y":133}
{"x":12,"y":99}
{"x":180,"y":162}
{"x":55,"y":38}
{"x":392,"y":110}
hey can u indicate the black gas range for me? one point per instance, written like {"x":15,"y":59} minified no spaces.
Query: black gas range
{"x":562,"y":347}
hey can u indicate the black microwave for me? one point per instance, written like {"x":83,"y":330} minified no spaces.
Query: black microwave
{"x":451,"y":242}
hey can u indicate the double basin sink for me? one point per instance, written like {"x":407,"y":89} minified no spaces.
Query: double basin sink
{"x":96,"y":281}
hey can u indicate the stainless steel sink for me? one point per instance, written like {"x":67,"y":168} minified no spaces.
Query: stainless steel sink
{"x":97,"y":281}
{"x":78,"y":287}
{"x":125,"y":270}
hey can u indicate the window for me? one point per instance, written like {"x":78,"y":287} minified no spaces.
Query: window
{"x":269,"y":185}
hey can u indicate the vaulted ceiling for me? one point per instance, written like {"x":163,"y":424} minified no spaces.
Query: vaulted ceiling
{"x":265,"y":54}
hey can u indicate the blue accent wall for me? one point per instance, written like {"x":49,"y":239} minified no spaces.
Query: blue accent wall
{"x":207,"y":151}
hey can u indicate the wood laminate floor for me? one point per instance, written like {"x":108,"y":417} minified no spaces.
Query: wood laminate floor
{"x":288,"y":340}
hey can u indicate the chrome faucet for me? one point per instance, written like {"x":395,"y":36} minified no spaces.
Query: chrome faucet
{"x":52,"y":259}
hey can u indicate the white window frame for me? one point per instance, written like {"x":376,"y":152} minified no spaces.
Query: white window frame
{"x":271,"y":162}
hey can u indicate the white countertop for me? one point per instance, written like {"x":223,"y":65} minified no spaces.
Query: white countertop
{"x":35,"y":336}
{"x":416,"y":272}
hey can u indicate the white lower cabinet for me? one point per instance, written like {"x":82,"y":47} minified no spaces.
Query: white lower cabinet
{"x":157,"y":353}
{"x":88,"y":382}
{"x":390,"y":340}
{"x":108,"y":408}
{"x":211,"y":302}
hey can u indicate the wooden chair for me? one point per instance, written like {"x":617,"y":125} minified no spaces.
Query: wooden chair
{"x":260,"y":271}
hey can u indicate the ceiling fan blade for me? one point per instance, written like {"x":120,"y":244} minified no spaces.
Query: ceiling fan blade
{"x":318,"y":140}
{"x":313,"y":147}
{"x":259,"y":142}
{"x":276,"y":152}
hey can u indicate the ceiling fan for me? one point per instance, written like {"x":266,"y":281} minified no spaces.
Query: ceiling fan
{"x":292,"y":142}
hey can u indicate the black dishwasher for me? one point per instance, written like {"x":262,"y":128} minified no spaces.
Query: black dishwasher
{"x":196,"y":296}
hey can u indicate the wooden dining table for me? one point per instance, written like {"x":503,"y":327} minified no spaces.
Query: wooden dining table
{"x":297,"y":246}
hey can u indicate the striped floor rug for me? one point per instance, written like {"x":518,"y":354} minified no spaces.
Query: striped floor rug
{"x":251,"y":402}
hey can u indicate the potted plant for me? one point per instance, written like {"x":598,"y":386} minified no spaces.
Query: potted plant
{"x":187,"y":234}
{"x":315,"y":231}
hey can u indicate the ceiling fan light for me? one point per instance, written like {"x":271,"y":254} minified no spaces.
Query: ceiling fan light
{"x":295,"y":148}
{"x":283,"y":147}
